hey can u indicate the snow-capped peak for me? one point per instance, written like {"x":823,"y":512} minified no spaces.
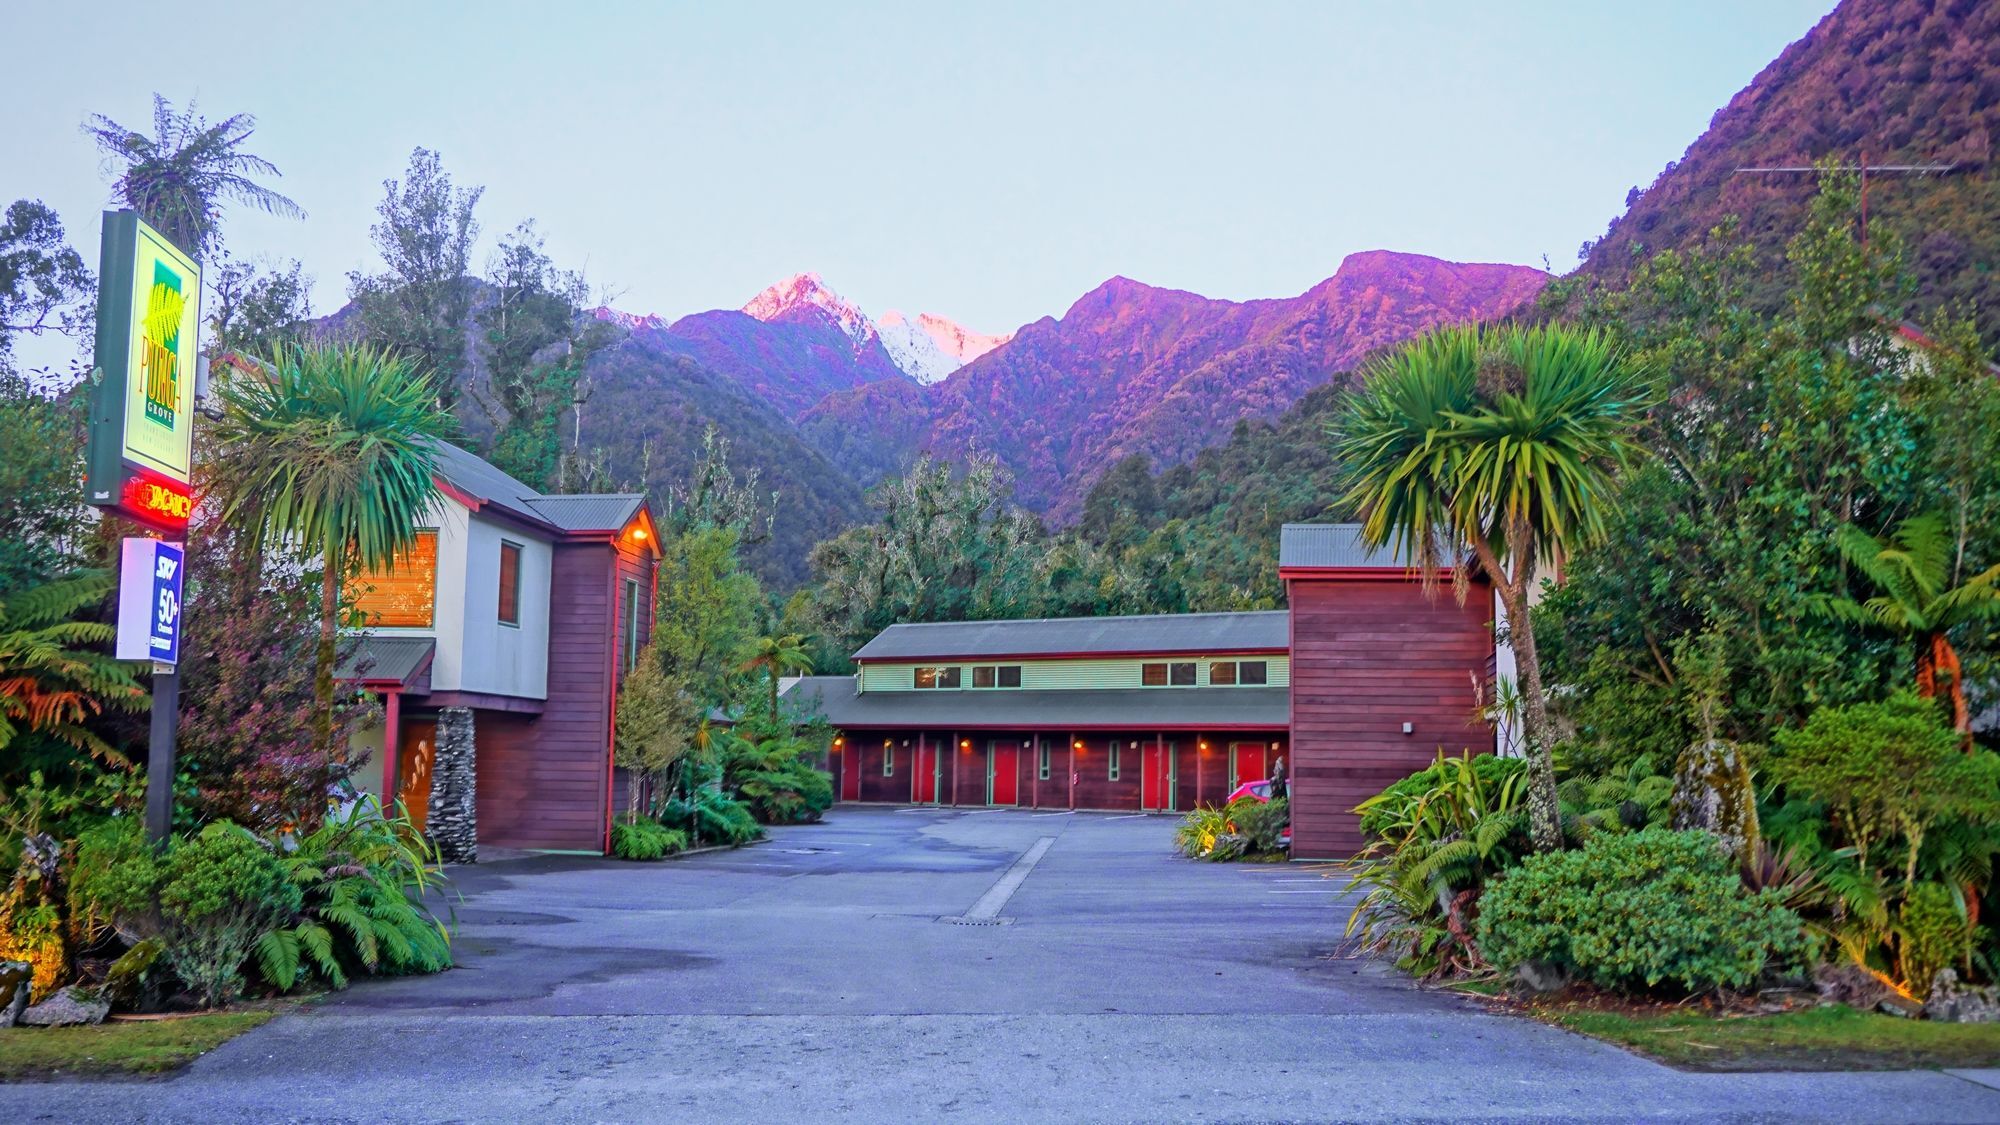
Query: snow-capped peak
{"x":806,"y":290}
{"x":931,"y":346}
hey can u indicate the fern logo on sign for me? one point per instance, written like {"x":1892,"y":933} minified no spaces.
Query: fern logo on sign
{"x":159,"y":357}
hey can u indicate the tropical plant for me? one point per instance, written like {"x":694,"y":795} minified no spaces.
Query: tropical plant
{"x":708,"y":814}
{"x":1195,"y":836}
{"x":54,"y":676}
{"x":218,"y":893}
{"x":768,"y":770}
{"x":178,"y":178}
{"x":333,"y":454}
{"x":1638,"y":911}
{"x":363,"y":882}
{"x":776,"y":657}
{"x":1495,"y":448}
{"x":1437,"y":837}
{"x":645,"y":840}
{"x":1926,"y":593}
{"x":654,"y":725}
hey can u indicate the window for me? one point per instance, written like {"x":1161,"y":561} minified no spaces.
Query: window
{"x":990,"y":675}
{"x":510,"y":583}
{"x":1222,"y":673}
{"x":1178,"y":674}
{"x":631,"y":623}
{"x":1251,"y":672}
{"x":1181,"y":675}
{"x":937,"y":677}
{"x":1111,"y":761}
{"x":888,"y":759}
{"x":1042,"y":759}
{"x":405,"y":595}
{"x":1153,"y":675}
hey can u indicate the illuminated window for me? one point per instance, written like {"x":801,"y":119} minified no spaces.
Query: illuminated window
{"x":405,"y":595}
{"x":510,"y":583}
{"x":631,"y":623}
{"x":937,"y":677}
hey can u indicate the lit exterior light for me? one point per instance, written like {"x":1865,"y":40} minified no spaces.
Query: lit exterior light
{"x":639,"y":535}
{"x":965,"y":744}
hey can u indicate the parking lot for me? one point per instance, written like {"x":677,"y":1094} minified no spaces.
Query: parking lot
{"x":928,"y":964}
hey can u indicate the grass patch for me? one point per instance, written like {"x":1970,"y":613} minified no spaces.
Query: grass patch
{"x":148,"y":1047}
{"x":1829,"y":1038}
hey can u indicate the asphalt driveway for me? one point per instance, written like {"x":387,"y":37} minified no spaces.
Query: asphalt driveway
{"x":924,"y":965}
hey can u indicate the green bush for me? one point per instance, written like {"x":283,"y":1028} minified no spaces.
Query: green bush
{"x":710,"y":816}
{"x":1636,"y":911}
{"x":770,"y":775}
{"x":1198,"y":831}
{"x":219,"y":892}
{"x":1261,"y":823}
{"x":363,"y":882}
{"x":645,"y":840}
{"x":1381,"y":813}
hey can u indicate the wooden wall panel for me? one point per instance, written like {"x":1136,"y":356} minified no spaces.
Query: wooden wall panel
{"x":1366,"y":658}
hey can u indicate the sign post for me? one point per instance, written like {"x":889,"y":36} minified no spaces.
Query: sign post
{"x":141,"y":455}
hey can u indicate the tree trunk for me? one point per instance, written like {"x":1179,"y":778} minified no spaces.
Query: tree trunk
{"x":1544,"y":813}
{"x":329,"y":629}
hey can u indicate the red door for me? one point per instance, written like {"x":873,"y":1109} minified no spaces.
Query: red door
{"x":850,"y":772}
{"x":1246,"y":763}
{"x":923,"y":783}
{"x":1003,"y":773}
{"x":1156,"y":772}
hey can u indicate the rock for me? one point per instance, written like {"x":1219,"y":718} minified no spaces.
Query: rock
{"x":1849,"y":984}
{"x":1540,"y":976}
{"x":69,"y":1007}
{"x":125,"y":981}
{"x":1897,"y":1004}
{"x":1952,"y":1002}
{"x":1712,"y":791}
{"x":451,"y":821}
{"x":17,"y":980}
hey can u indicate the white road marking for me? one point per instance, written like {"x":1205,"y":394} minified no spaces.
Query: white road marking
{"x":1128,"y":816}
{"x":989,"y":904}
{"x":1041,"y":815}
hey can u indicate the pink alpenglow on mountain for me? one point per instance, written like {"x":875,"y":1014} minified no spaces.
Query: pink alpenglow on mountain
{"x":932,"y":346}
{"x":790,"y":300}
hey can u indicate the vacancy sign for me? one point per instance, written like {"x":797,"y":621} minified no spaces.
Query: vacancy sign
{"x":149,"y":601}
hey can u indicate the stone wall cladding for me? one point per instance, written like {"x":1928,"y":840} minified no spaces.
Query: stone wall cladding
{"x":452,"y":819}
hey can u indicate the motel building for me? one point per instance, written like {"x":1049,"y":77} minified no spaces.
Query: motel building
{"x":1359,"y":683}
{"x":496,"y":647}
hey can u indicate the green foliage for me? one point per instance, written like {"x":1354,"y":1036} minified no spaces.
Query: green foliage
{"x":218,"y":893}
{"x":1890,"y":770}
{"x":258,"y":310}
{"x":655,"y":725}
{"x":419,"y":307}
{"x":1638,"y":911}
{"x":1934,"y":934}
{"x":710,"y":816}
{"x":44,"y":285}
{"x":707,"y":611}
{"x":363,"y":882}
{"x":55,"y":677}
{"x":645,"y":840}
{"x":178,"y":178}
{"x":1245,"y":827}
{"x":768,"y":770}
{"x":1261,"y":823}
{"x":1438,"y":837}
{"x":1195,"y":836}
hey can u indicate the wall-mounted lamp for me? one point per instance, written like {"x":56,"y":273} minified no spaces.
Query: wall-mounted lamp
{"x":1078,"y":745}
{"x":965,"y":744}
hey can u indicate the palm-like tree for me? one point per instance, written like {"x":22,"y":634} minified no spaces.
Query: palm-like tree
{"x":177,"y":178}
{"x":776,"y":656}
{"x":1922,"y":599}
{"x":54,"y":676}
{"x":1496,"y":449}
{"x":333,"y":454}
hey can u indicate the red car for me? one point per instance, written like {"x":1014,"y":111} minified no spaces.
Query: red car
{"x":1260,"y":791}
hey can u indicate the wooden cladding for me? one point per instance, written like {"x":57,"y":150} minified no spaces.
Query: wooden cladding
{"x":405,"y":595}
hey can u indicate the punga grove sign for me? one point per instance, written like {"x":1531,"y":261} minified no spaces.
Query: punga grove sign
{"x":142,"y":400}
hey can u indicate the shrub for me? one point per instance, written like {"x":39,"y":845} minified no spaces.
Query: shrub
{"x":357,"y":878}
{"x":645,"y":839}
{"x":1635,"y":911}
{"x":710,"y":816}
{"x":1197,"y":832}
{"x":1935,"y":934}
{"x":773,"y":778}
{"x":1381,"y":813}
{"x":1261,"y":823}
{"x":218,"y":893}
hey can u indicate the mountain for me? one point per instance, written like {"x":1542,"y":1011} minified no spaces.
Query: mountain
{"x":1891,"y":82}
{"x":931,"y":346}
{"x":1131,"y":368}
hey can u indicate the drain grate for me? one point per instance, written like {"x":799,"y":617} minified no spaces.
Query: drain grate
{"x":962,"y":920}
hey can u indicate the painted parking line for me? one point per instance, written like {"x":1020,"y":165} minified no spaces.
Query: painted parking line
{"x":1042,"y":815}
{"x":1128,"y":816}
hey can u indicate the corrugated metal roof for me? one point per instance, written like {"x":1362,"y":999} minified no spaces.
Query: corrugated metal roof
{"x":599,"y":512}
{"x":386,"y":659}
{"x":571,"y":511}
{"x":1166,"y":632}
{"x":838,"y":700}
{"x":1332,"y":545}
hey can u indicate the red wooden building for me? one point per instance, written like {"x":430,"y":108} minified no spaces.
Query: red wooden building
{"x":1359,"y":683}
{"x":497,"y":647}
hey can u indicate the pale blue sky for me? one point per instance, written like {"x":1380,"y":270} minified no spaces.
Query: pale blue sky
{"x":988,"y":162}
